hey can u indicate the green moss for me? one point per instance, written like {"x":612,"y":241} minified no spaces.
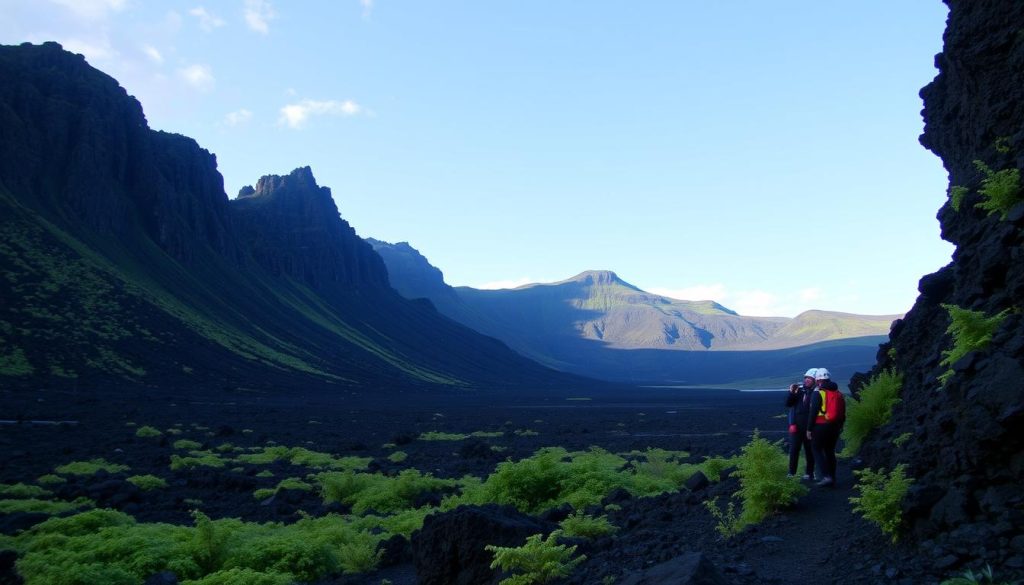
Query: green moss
{"x":187,"y":445}
{"x":90,"y":467}
{"x":42,"y":506}
{"x":147,"y":431}
{"x":440,"y":436}
{"x":487,"y":434}
{"x":197,"y":459}
{"x":265,"y":473}
{"x":398,"y":456}
{"x":901,"y":440}
{"x":526,"y":433}
{"x":21,"y":490}
{"x":304,"y":457}
{"x":147,"y":482}
{"x":51,"y":479}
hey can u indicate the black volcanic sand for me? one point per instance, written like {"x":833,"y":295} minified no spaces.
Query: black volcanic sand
{"x":817,"y":541}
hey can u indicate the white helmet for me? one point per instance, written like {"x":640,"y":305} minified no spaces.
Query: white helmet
{"x":822,"y":374}
{"x":811,"y":373}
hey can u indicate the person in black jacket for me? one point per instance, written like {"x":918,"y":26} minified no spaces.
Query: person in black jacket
{"x":798,"y":401}
{"x":823,"y":433}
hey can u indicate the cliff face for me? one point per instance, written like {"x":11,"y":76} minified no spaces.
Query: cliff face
{"x":292,"y":226}
{"x":966,"y":450}
{"x":98,"y":164}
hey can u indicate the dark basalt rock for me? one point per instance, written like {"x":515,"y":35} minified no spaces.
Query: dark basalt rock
{"x":967,"y":434}
{"x":8,"y":576}
{"x":687,"y":569}
{"x":449,"y":549}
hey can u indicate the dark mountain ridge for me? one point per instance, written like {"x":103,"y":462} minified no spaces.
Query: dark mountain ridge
{"x":966,"y":446}
{"x":124,"y":260}
{"x":597,"y":324}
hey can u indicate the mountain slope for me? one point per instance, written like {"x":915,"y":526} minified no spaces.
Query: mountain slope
{"x":122,"y":259}
{"x":597,"y":324}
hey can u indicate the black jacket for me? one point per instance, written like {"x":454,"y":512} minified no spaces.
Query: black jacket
{"x":800,"y":406}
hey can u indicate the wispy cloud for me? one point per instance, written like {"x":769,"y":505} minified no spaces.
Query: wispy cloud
{"x":97,"y":49}
{"x":238,"y":117}
{"x":153,"y":53}
{"x":296,"y":115}
{"x":91,"y":10}
{"x":208,"y":21}
{"x":198,"y":76}
{"x":367,"y":7}
{"x":752,"y":302}
{"x":258,"y":14}
{"x":499,"y":284}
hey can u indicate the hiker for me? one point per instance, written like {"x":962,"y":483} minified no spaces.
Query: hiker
{"x":824,"y":423}
{"x":798,"y":401}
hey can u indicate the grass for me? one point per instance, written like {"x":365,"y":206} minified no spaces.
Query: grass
{"x":91,"y":467}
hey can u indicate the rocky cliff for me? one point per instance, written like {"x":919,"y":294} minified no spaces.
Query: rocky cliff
{"x":966,"y":436}
{"x":292,"y":226}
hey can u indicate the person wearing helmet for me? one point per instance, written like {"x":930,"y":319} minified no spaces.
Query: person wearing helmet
{"x":824,"y":424}
{"x":798,"y":401}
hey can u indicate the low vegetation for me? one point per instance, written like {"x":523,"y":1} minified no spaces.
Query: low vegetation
{"x":91,"y":467}
{"x":148,"y":431}
{"x":1000,"y":190}
{"x":971,"y":331}
{"x":539,"y":560}
{"x":871,"y":410}
{"x":304,"y":457}
{"x":969,"y":577}
{"x":583,"y":526}
{"x":21,"y":490}
{"x":147,"y":482}
{"x":881,"y":495}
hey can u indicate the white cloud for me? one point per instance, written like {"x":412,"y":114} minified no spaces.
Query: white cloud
{"x":810,"y":294}
{"x":153,"y":53}
{"x":207,"y":20}
{"x":756,"y":303}
{"x":296,"y":115}
{"x":93,"y":49}
{"x":258,"y":14}
{"x":367,"y":7}
{"x":238,"y":117}
{"x":499,"y":284}
{"x":91,"y":10}
{"x":198,"y":76}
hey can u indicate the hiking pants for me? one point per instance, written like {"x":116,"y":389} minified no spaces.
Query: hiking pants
{"x":824,"y":444}
{"x":796,"y":441}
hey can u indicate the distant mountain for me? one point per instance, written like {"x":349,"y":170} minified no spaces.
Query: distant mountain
{"x":122,"y":260}
{"x":597,"y":324}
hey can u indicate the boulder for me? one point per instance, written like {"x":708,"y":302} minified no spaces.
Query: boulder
{"x":687,"y":569}
{"x":449,"y":549}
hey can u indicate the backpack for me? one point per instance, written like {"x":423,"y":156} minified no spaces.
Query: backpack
{"x":833,"y":406}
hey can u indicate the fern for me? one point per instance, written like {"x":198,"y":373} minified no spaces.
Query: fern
{"x":1000,"y":189}
{"x":764,"y":486}
{"x":537,"y":561}
{"x":881,"y":496}
{"x":971,"y":331}
{"x":872,"y":410}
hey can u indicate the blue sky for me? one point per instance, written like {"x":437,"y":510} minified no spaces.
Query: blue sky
{"x":761,"y":154}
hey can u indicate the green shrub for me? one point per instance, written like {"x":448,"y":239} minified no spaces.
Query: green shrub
{"x":265,"y":473}
{"x":439,"y":436}
{"x":147,"y":482}
{"x":969,"y":577}
{"x":51,"y":479}
{"x":242,"y":576}
{"x":42,"y":506}
{"x":971,"y":331}
{"x":21,"y":490}
{"x":1000,"y":190}
{"x":872,"y":410}
{"x":583,"y":526}
{"x":359,"y":556}
{"x":880,"y":497}
{"x":197,"y":459}
{"x":764,"y":486}
{"x":532,"y":484}
{"x":187,"y":445}
{"x":382,"y":493}
{"x":713,"y":467}
{"x":537,"y":561}
{"x":90,"y":467}
{"x":264,"y":493}
{"x":147,"y":431}
{"x":729,"y":522}
{"x":398,"y":456}
{"x":304,"y":457}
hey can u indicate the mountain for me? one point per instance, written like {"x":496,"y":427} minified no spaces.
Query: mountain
{"x":123,"y":260}
{"x":597,"y":324}
{"x":961,"y":438}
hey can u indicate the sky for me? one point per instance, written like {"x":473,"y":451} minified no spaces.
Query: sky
{"x":760,"y":154}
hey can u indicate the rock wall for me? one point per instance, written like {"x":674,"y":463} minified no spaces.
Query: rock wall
{"x":966,"y":437}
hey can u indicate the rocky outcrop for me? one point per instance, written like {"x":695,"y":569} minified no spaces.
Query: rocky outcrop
{"x":966,"y":446}
{"x":449,"y":549}
{"x":410,"y":273}
{"x":73,"y":142}
{"x":688,"y":569}
{"x":292,"y":227}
